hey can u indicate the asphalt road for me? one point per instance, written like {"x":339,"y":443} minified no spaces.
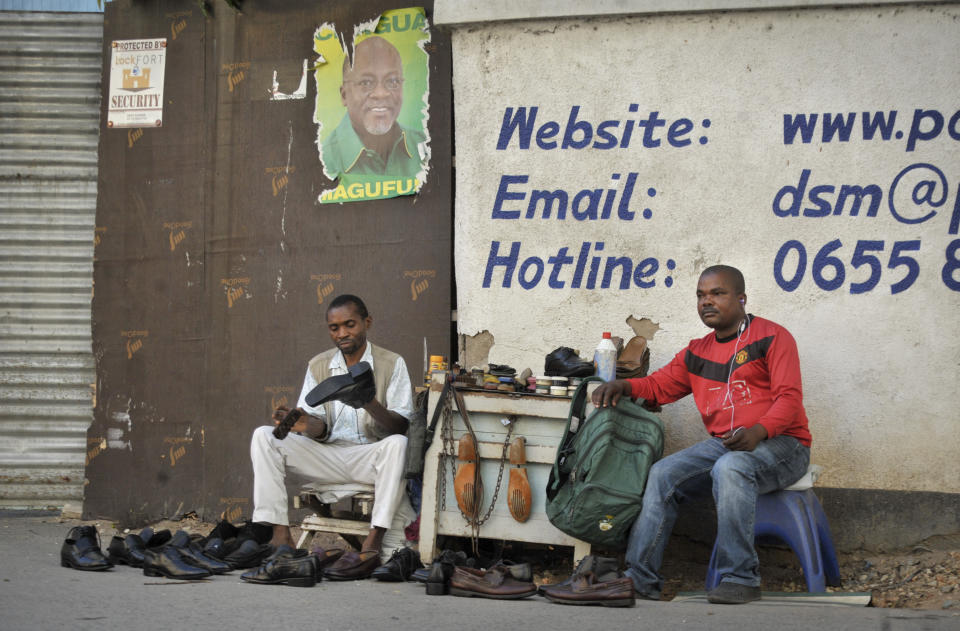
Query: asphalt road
{"x":37,"y":594}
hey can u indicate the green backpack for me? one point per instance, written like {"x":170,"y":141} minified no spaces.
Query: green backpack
{"x":595,"y":489}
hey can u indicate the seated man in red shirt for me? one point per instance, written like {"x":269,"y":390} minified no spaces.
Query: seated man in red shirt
{"x":745,"y":381}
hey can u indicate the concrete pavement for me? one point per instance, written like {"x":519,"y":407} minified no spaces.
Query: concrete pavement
{"x":37,"y":594}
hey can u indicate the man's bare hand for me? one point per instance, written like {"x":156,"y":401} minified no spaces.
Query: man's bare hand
{"x":741,"y":439}
{"x":281,"y":411}
{"x":608,"y":394}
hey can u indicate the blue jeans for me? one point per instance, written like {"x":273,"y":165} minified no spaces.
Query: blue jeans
{"x":736,"y":478}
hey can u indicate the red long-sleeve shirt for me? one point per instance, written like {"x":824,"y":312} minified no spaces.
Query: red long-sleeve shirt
{"x":764,"y":386}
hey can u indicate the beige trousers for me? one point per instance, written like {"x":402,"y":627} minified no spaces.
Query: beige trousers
{"x":380,"y":464}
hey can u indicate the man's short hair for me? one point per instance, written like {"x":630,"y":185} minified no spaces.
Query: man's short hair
{"x":732,"y":274}
{"x":349,"y":299}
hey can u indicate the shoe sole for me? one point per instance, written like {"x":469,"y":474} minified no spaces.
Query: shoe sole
{"x":616,"y":602}
{"x":158,"y":573}
{"x":730,"y":601}
{"x":121,"y":561}
{"x":455,"y":591}
{"x":292,"y":582}
{"x":437,"y":589}
{"x":334,"y":577}
{"x":65,"y":563}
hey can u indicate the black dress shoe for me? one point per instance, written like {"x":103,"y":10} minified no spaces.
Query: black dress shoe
{"x":167,"y":561}
{"x":214,"y":548}
{"x":223,"y":530}
{"x":290,"y":568}
{"x":193,"y":554}
{"x":126,"y":550}
{"x":81,"y":550}
{"x":249,"y":554}
{"x":564,"y":362}
{"x":438,"y":580}
{"x":401,"y":565}
{"x":153,"y":539}
{"x":356,"y":388}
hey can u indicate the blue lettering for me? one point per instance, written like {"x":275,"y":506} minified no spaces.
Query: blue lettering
{"x":646,"y":268}
{"x":593,"y":196}
{"x":857,"y":193}
{"x":519,"y":122}
{"x":800,"y":123}
{"x":536,"y":263}
{"x":558,"y":262}
{"x":915,"y":134}
{"x":625,"y":264}
{"x":581,"y":265}
{"x":796,"y":193}
{"x":650,"y":124}
{"x":678,"y":129}
{"x":494,"y":260}
{"x":823,"y":206}
{"x":609,"y":140}
{"x":504,"y":195}
{"x":573,"y":126}
{"x":547,"y":131}
{"x":549,"y":197}
{"x":879,"y":121}
{"x":836,"y":125}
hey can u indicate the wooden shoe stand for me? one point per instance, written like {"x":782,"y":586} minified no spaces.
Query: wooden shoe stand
{"x":541,"y":421}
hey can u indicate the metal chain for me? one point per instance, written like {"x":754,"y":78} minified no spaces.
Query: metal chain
{"x":503,"y":462}
{"x":449,"y":454}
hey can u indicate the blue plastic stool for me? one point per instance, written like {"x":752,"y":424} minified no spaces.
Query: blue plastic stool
{"x":797,"y":519}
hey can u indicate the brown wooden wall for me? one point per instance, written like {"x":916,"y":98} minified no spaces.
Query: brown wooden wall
{"x":214,"y":261}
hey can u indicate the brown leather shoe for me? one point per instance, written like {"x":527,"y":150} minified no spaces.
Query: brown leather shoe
{"x":493,"y":583}
{"x":326,"y":557}
{"x":634,"y":360}
{"x":585,"y":590}
{"x":353,"y":566}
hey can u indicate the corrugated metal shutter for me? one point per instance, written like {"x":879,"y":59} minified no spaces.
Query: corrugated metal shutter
{"x":50,"y":66}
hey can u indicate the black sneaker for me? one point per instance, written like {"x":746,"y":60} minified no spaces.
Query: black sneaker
{"x":728,"y":593}
{"x":400,"y":567}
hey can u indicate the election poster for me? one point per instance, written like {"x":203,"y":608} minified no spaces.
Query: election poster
{"x":372,"y":107}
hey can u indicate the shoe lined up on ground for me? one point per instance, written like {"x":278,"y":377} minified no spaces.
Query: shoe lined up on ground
{"x":326,"y":557}
{"x":437,"y":576}
{"x":403,"y":562}
{"x":286,"y":566}
{"x":81,"y":550}
{"x":169,"y":563}
{"x":596,"y":580}
{"x":587,"y":589}
{"x":353,"y":566}
{"x":126,"y":550}
{"x":498,"y":582}
{"x":193,"y":554}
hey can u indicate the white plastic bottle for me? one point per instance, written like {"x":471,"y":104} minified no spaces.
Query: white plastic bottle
{"x":605,"y":359}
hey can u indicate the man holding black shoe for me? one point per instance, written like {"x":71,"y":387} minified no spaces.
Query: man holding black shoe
{"x":337,"y":443}
{"x":745,"y":380}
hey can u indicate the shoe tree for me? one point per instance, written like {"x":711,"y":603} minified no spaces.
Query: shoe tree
{"x":518,"y":492}
{"x":467,"y":485}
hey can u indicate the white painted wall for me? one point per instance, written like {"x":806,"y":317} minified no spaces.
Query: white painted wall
{"x":880,"y":369}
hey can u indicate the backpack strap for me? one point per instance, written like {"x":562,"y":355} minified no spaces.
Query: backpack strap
{"x":577,"y":411}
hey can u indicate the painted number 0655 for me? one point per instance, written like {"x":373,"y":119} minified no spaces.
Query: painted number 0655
{"x":828,"y":270}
